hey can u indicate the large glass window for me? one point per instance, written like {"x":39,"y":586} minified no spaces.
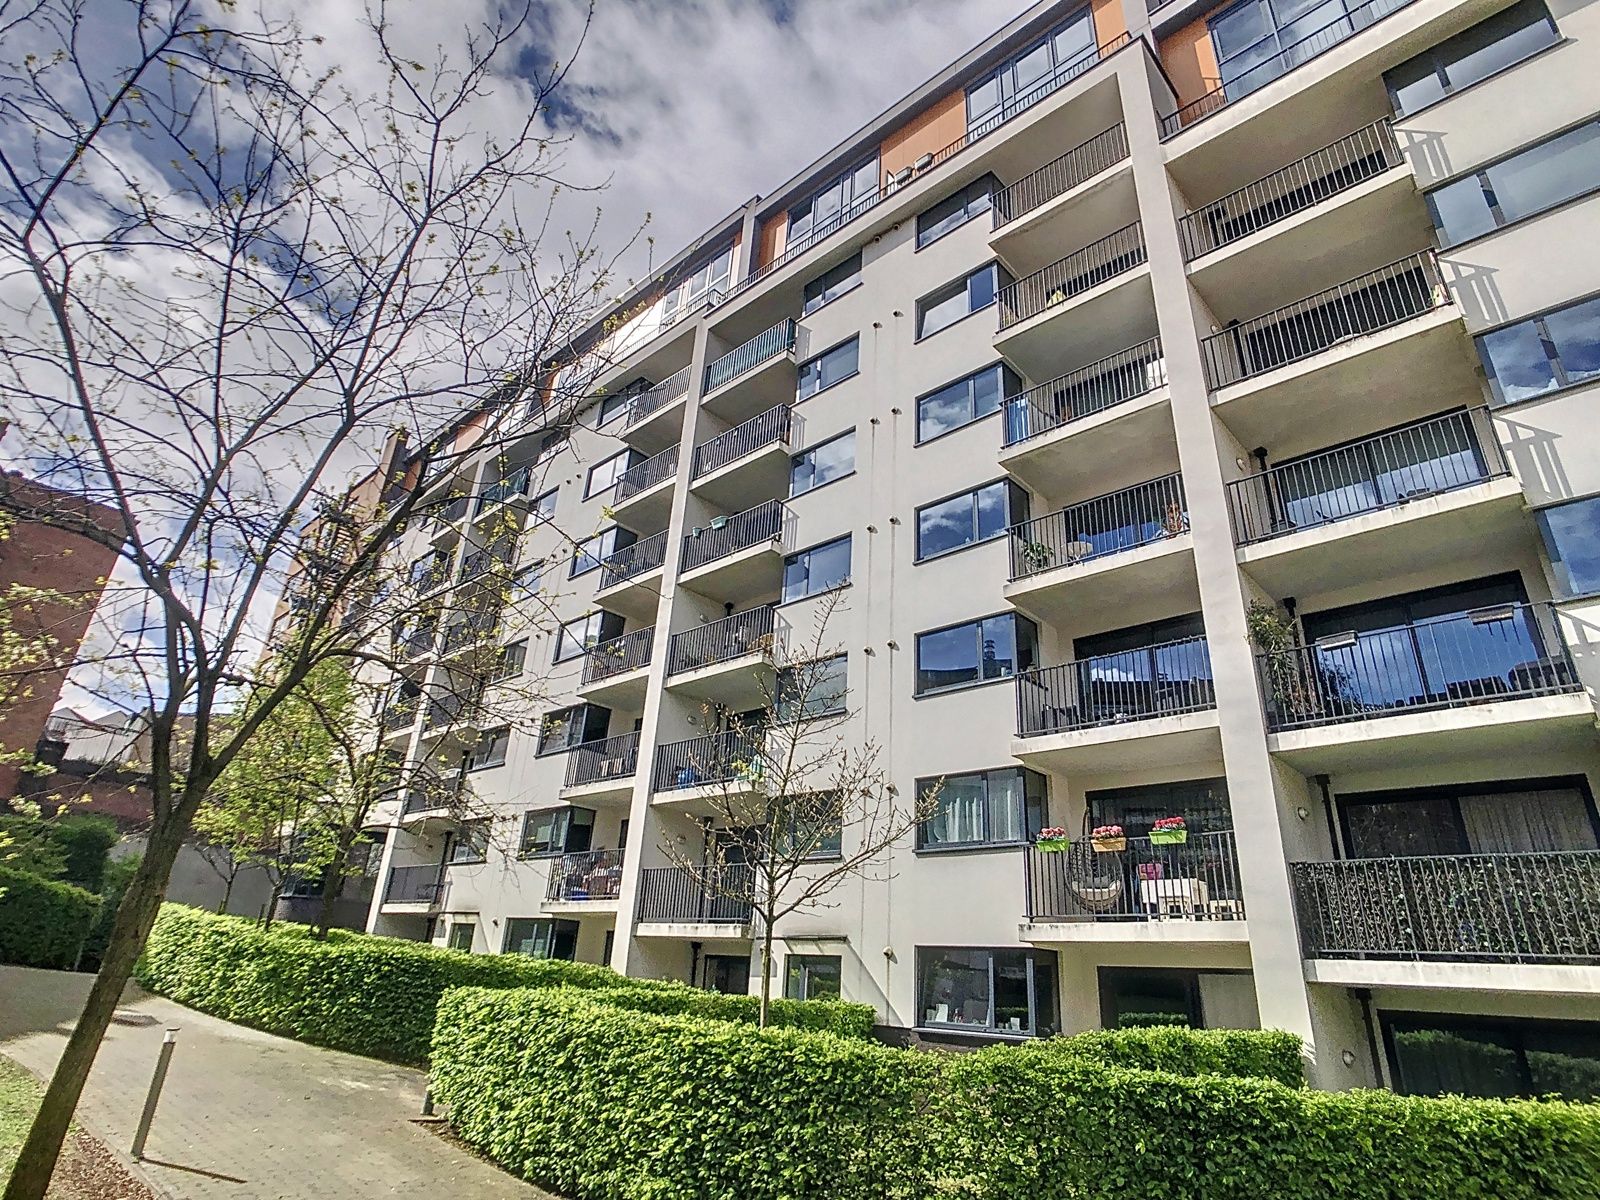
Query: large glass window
{"x":829,"y":368}
{"x":955,"y":211}
{"x":1529,"y":182}
{"x":1031,"y":75}
{"x":1136,"y":997}
{"x":543,"y":507}
{"x":973,"y":516}
{"x":832,"y":459}
{"x":510,"y":661}
{"x":542,"y":937}
{"x":1202,"y":803}
{"x":811,"y":825}
{"x":988,"y":991}
{"x":1504,"y":39}
{"x":588,"y":553}
{"x":983,"y":808}
{"x":566,"y":728}
{"x":577,"y":637}
{"x":812,"y":976}
{"x":832,"y":284}
{"x":565,"y":830}
{"x":1436,"y":1054}
{"x":814,"y":689}
{"x":992,"y":648}
{"x":965,"y":401}
{"x":818,"y":569}
{"x":489,"y":750}
{"x":834,"y":204}
{"x":471,"y":843}
{"x":943,"y":308}
{"x":1509,"y":817}
{"x":1556,"y":350}
{"x":1258,"y":40}
{"x":1572,"y":539}
{"x":604,"y":475}
{"x":712,"y":276}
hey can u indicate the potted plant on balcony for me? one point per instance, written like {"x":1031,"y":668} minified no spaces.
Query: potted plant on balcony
{"x":1108,"y":839}
{"x":1169,"y":831}
{"x":1036,"y":556}
{"x":1053,"y":840}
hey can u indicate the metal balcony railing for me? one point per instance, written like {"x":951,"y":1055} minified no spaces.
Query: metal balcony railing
{"x":420,"y":800}
{"x":1515,"y":908}
{"x":592,"y":875}
{"x":414,"y":885}
{"x":1073,"y":275}
{"x":674,"y":896}
{"x":763,"y":523}
{"x":401,"y":714}
{"x":641,"y":477}
{"x":1277,"y":57}
{"x":673,"y":387}
{"x":733,"y":754}
{"x":1110,"y":689}
{"x":1335,"y":168}
{"x":764,"y":347}
{"x":1122,"y":376}
{"x":1428,"y":458}
{"x":497,"y":556}
{"x":1197,"y":880}
{"x":618,"y":655}
{"x":604,"y":761}
{"x":514,"y":484}
{"x":452,"y":708}
{"x":429,"y":573}
{"x":418,"y":642}
{"x":1501,"y":652}
{"x":1110,"y":524}
{"x":466,"y":632}
{"x":1061,"y":175}
{"x":631,"y":561}
{"x":451,"y":512}
{"x":767,"y":429}
{"x":719,"y":641}
{"x":1375,"y":301}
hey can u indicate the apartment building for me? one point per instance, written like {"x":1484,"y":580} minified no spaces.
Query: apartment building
{"x":1184,"y":407}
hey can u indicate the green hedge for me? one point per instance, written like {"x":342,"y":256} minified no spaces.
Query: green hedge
{"x":70,"y":848}
{"x":602,"y":1104}
{"x":376,"y":995}
{"x":1249,"y":1053}
{"x":42,"y":922}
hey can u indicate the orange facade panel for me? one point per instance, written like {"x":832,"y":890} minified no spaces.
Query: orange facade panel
{"x":931,"y":130}
{"x":769,"y":240}
{"x":1190,"y":61}
{"x":1110,"y":23}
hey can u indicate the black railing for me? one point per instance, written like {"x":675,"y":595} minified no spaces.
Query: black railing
{"x":514,"y":484}
{"x":1501,"y":652}
{"x":418,"y":642}
{"x":734,"y":755}
{"x":1082,"y":393}
{"x":629,"y":562}
{"x":1355,"y":157}
{"x":673,"y":387}
{"x":762,"y":348}
{"x":1061,"y":175}
{"x":1195,"y":880}
{"x":401,"y":714}
{"x":413,"y":885}
{"x":452,"y":708}
{"x":420,"y":800}
{"x":1110,"y":524}
{"x":763,"y":523}
{"x":466,"y":632}
{"x":1428,"y":458}
{"x":1375,"y":301}
{"x":452,"y":511}
{"x":1528,"y":907}
{"x":496,"y":556}
{"x":1110,"y":689}
{"x":641,"y":477}
{"x":1073,"y":275}
{"x":604,"y":761}
{"x":747,"y":632}
{"x":592,"y":875}
{"x":1279,"y":60}
{"x":618,"y":655}
{"x":767,"y":429}
{"x":674,"y":896}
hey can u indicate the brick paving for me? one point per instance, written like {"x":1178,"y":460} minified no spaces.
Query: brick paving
{"x":245,"y":1115}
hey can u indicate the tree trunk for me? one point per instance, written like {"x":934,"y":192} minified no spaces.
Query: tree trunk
{"x":273,"y":897}
{"x":227,"y":889}
{"x":766,"y":970}
{"x":135,"y":916}
{"x":332,"y":889}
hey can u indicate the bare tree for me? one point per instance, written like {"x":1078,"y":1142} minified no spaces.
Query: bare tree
{"x":797,"y":789}
{"x":229,"y":269}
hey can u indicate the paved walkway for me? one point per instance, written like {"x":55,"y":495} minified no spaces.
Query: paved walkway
{"x":245,"y":1115}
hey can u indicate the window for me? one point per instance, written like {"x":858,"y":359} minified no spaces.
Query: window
{"x":984,"y":808}
{"x":1258,"y":40}
{"x":579,"y":636}
{"x":1528,"y":182}
{"x":1031,"y":75}
{"x":471,"y":843}
{"x":1504,"y":40}
{"x":812,"y":976}
{"x":818,"y":569}
{"x":460,"y":936}
{"x":590,"y":552}
{"x":542,"y":937}
{"x":550,"y":445}
{"x":566,"y":728}
{"x":711,"y":276}
{"x":949,"y":304}
{"x":988,"y":991}
{"x":489,"y":750}
{"x":955,"y":211}
{"x":604,"y":475}
{"x":1533,"y":816}
{"x":832,"y":459}
{"x":1202,"y":803}
{"x":543,"y":507}
{"x":1572,"y":539}
{"x":614,"y":404}
{"x":993,"y":648}
{"x":811,"y":825}
{"x":565,"y":830}
{"x":974,"y":516}
{"x":1437,"y":1054}
{"x":809,"y":690}
{"x":1140,"y":997}
{"x":964,"y":401}
{"x":833,"y":205}
{"x":509,"y":662}
{"x":830,"y":285}
{"x":525,"y":583}
{"x":1553,"y":351}
{"x":829,"y":368}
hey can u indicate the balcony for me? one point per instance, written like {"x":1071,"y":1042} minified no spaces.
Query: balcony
{"x":630,"y":577}
{"x":513,"y":485}
{"x":1534,"y":908}
{"x":492,"y":561}
{"x":472,"y":631}
{"x":1088,"y":187}
{"x":418,"y":887}
{"x":737,"y":558}
{"x":1143,"y":893}
{"x":588,"y":881}
{"x":643,"y":494}
{"x":655,"y":416}
{"x":727,"y":662}
{"x":400,"y":715}
{"x":674,"y":897}
{"x":754,"y":376}
{"x":1152,"y":705}
{"x":614,"y":669}
{"x":416,"y":801}
{"x":603,"y":769}
{"x":748,"y":463}
{"x":716,"y":765}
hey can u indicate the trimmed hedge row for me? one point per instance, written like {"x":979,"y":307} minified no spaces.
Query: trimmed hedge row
{"x":1249,"y":1053}
{"x":42,"y":923}
{"x":377,"y":995}
{"x":602,"y":1104}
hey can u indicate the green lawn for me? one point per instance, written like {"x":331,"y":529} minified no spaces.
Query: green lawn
{"x":19,"y":1097}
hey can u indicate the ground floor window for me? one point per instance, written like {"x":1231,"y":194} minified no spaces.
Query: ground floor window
{"x":728,"y":974}
{"x":988,"y":991}
{"x":542,"y":937}
{"x":812,"y":976}
{"x":1141,"y":996}
{"x":1432,"y":1054}
{"x":461,"y":935}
